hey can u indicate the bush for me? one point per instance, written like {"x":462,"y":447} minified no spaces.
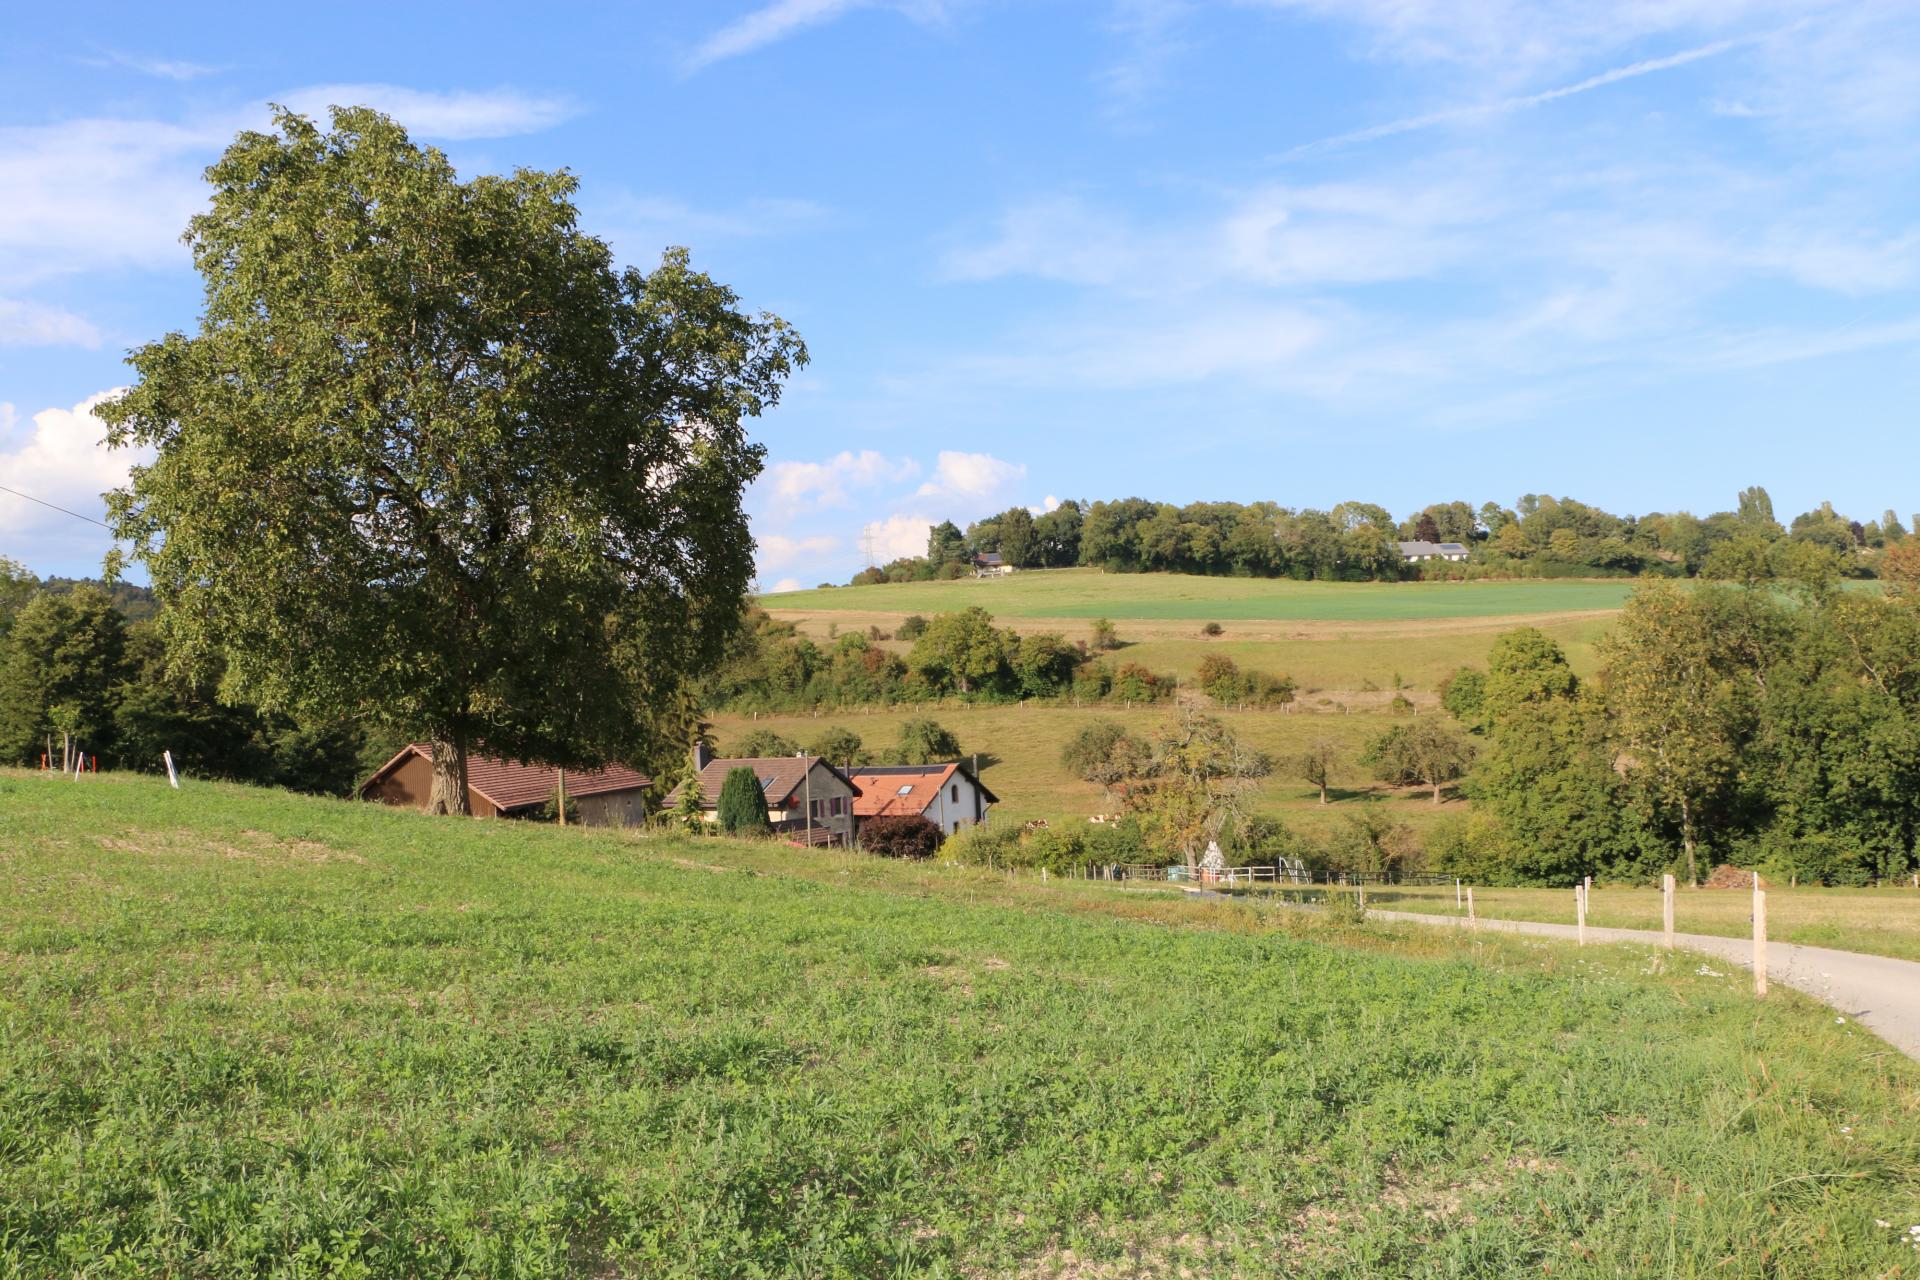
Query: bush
{"x":742,"y":808}
{"x":924,"y":741}
{"x":1213,"y":629}
{"x":839,"y":745}
{"x":912,"y":627}
{"x":901,"y":835}
{"x":764,"y":744}
{"x":981,"y":846}
{"x":1105,"y":638}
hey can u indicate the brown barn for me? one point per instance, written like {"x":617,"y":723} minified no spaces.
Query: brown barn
{"x":610,"y":797}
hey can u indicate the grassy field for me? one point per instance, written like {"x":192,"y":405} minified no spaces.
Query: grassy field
{"x":1881,"y":921}
{"x":1020,"y":750}
{"x":253,"y":1034}
{"x":1090,"y":593}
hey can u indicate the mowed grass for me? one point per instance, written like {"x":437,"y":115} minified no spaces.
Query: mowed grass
{"x":1882,"y":922}
{"x":1090,"y":593}
{"x":1020,"y":748}
{"x":253,"y":1034}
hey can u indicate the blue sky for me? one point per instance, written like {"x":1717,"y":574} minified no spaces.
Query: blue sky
{"x":1642,"y":253}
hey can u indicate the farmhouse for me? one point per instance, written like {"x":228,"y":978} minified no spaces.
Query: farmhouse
{"x":610,"y":797}
{"x":991,"y":564}
{"x":807,"y":798}
{"x":1412,"y":551}
{"x":947,"y":795}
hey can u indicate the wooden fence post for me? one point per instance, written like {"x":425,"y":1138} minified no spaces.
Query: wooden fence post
{"x":1759,"y":938}
{"x":1666,"y":907}
{"x":1458,"y":901}
{"x":1580,"y":913}
{"x":1473,"y":921}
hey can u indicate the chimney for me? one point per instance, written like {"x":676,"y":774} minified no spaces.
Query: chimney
{"x":702,"y":755}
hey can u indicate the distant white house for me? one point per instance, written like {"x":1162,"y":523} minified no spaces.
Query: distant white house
{"x":947,"y":795}
{"x":991,"y":564}
{"x":1411,"y":551}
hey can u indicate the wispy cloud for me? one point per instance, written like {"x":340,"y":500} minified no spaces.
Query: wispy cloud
{"x":772,"y":23}
{"x":1151,"y":34}
{"x":971,"y":477}
{"x":455,"y":115}
{"x":1523,"y":102}
{"x":161,"y":68}
{"x":29,"y":324}
{"x":830,"y":483}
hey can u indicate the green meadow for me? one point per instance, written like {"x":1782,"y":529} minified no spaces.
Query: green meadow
{"x":253,"y":1034}
{"x":1090,"y":593}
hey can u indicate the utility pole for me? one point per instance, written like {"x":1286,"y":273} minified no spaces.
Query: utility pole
{"x":866,"y":544}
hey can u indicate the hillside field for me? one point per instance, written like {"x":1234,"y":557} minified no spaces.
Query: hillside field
{"x":1091,"y":593}
{"x":1020,"y":746}
{"x":250,"y":1033}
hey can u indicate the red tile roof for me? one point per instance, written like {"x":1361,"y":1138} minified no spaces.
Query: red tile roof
{"x":908,"y":789}
{"x":507,"y":785}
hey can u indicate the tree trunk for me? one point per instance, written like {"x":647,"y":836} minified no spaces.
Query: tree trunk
{"x":449,"y":794}
{"x":1686,"y":842}
{"x":1323,"y":792}
{"x":1436,"y":792}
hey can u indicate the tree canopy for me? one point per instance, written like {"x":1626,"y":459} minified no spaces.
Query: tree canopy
{"x":431,"y":459}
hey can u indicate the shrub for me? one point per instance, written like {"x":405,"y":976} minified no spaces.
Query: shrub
{"x":1105,"y":638}
{"x":981,"y":846}
{"x":1213,"y":629}
{"x":742,"y":809}
{"x":840,"y":745}
{"x":900,"y":835}
{"x":912,"y":627}
{"x":763,"y":744}
{"x":924,"y":741}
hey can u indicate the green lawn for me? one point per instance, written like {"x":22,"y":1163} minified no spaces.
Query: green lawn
{"x":251,"y":1034}
{"x":1089,"y":593}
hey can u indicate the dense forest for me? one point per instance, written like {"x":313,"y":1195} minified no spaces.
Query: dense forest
{"x":1540,"y":536}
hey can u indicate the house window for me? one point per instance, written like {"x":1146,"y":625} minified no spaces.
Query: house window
{"x":818,"y":808}
{"x":837,"y":807}
{"x":956,"y":793}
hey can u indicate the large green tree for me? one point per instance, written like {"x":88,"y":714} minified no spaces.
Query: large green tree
{"x":432,"y":459}
{"x":60,"y":666}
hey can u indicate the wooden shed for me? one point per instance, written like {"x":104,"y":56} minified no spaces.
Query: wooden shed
{"x":610,"y":797}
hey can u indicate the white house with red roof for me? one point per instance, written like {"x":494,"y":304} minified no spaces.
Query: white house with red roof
{"x":947,"y":795}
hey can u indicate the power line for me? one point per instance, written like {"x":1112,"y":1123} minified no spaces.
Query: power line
{"x":62,"y":510}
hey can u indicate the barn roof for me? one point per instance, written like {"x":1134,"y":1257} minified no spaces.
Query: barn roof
{"x":780,"y":777}
{"x":506,"y":784}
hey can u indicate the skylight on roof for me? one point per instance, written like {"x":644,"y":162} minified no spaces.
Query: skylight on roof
{"x":766,"y":784}
{"x":906,"y":790}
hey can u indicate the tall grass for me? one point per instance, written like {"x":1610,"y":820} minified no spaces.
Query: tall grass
{"x":252,"y":1034}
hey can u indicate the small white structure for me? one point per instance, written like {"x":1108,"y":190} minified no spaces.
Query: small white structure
{"x":947,"y":795}
{"x":991,"y":564}
{"x":1412,"y":551}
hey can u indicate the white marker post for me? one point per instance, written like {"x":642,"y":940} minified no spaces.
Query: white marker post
{"x":1458,"y":901}
{"x":1666,"y":907}
{"x":173,"y":777}
{"x":1580,"y":913}
{"x":1759,"y":939}
{"x":1473,"y":921}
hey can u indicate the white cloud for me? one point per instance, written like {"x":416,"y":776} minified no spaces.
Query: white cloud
{"x":28,"y":324}
{"x":777,"y":551}
{"x":896,"y":536}
{"x":99,"y":194}
{"x":60,"y":458}
{"x":456,"y":115}
{"x":1521,"y":102}
{"x":785,"y":584}
{"x":160,"y":68}
{"x":772,"y":23}
{"x":1048,"y":503}
{"x":827,"y":483}
{"x":973,"y":477}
